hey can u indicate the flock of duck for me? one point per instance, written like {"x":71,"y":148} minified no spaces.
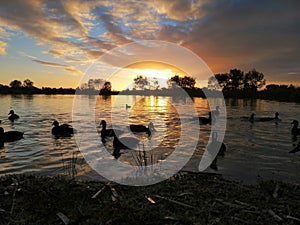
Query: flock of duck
{"x":66,"y":130}
{"x":130,"y":142}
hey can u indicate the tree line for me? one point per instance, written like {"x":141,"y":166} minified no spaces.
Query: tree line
{"x":233,"y":84}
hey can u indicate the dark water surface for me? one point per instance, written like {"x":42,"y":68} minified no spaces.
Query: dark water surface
{"x":255,"y":151}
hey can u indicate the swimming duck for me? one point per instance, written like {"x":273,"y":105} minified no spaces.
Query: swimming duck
{"x":108,"y":132}
{"x":62,"y":130}
{"x":12,"y":116}
{"x":205,"y":120}
{"x":142,"y":128}
{"x":297,"y":149}
{"x":295,"y":129}
{"x":264,"y":119}
{"x":251,"y":118}
{"x":9,"y":136}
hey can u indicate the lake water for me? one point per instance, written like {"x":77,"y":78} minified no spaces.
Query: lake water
{"x":255,"y":151}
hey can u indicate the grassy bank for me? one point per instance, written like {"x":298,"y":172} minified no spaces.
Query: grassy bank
{"x":187,"y":198}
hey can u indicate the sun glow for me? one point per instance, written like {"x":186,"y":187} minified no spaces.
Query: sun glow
{"x":124,"y":78}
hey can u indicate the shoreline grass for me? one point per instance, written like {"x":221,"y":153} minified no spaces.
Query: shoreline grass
{"x":185,"y":198}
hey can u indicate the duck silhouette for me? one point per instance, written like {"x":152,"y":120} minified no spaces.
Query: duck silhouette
{"x":62,"y":130}
{"x":108,"y":132}
{"x":9,"y":136}
{"x":142,"y":128}
{"x":12,"y":116}
{"x":265,"y":119}
{"x":249,"y":118}
{"x":127,"y":106}
{"x":205,"y":120}
{"x":295,"y":130}
{"x":297,"y":149}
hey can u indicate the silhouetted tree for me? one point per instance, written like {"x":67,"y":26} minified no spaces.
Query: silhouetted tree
{"x":223,"y":80}
{"x":106,"y":89}
{"x":153,"y":83}
{"x":236,"y":78}
{"x":28,"y":84}
{"x":184,"y":82}
{"x":107,"y":86}
{"x":254,"y":80}
{"x":15,"y":84}
{"x":141,"y":82}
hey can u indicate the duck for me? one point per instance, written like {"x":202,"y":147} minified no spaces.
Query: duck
{"x":62,"y":130}
{"x":205,"y":120}
{"x":12,"y":116}
{"x":108,"y":132}
{"x":125,"y":142}
{"x":142,"y":128}
{"x":250,"y":118}
{"x":264,"y":119}
{"x":127,"y":106}
{"x":295,"y":130}
{"x":297,"y":149}
{"x":9,"y":136}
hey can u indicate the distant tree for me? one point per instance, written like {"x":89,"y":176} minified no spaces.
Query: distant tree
{"x":90,"y":84}
{"x":254,"y":80}
{"x":106,"y":89}
{"x":236,"y":78}
{"x":188,"y":82}
{"x":184,"y":82}
{"x":15,"y":84}
{"x":223,"y":80}
{"x":28,"y":84}
{"x":141,"y":82}
{"x":173,"y":82}
{"x":153,"y":83}
{"x":98,"y":83}
{"x":107,"y":86}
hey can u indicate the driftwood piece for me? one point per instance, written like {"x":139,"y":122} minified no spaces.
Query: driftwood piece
{"x":272,"y":213}
{"x":175,"y":202}
{"x":63,"y":217}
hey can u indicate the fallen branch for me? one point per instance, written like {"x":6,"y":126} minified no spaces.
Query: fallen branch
{"x":98,"y":192}
{"x":63,"y":217}
{"x":175,"y":202}
{"x":272,"y":213}
{"x":293,"y":218}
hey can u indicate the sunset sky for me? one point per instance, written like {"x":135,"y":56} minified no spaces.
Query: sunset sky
{"x":53,"y":43}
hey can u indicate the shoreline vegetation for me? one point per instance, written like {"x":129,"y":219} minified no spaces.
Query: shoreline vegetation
{"x":235,"y":84}
{"x":185,"y":198}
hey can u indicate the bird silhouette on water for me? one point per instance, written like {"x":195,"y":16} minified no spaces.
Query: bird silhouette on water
{"x":13,"y":116}
{"x":9,"y":136}
{"x":142,"y":128}
{"x":108,"y":132}
{"x":62,"y":130}
{"x":295,"y":130}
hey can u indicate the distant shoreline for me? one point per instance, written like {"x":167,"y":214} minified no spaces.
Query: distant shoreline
{"x":285,"y":95}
